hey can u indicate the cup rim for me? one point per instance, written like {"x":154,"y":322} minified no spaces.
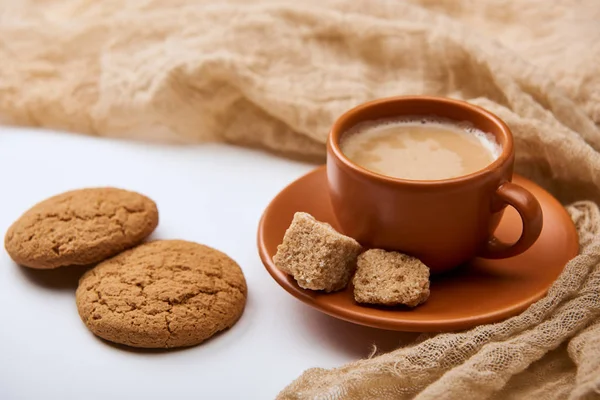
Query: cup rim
{"x":336,"y":132}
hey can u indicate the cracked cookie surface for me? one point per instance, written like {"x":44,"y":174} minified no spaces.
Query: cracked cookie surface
{"x":165,"y":293}
{"x":80,"y":227}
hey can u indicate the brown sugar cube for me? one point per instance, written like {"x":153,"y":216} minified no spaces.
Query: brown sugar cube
{"x":316,"y":255}
{"x":390,"y":278}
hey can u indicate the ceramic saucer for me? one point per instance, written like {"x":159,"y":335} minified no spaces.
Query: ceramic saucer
{"x":480,"y":292}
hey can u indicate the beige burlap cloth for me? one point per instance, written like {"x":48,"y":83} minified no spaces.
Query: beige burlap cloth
{"x":275,"y":74}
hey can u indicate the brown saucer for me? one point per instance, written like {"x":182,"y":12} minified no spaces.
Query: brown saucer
{"x":481,"y":292}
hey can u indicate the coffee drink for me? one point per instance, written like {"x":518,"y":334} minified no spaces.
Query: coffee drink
{"x":405,"y":199}
{"x":419,"y":148}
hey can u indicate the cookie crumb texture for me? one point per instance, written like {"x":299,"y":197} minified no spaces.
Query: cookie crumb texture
{"x":390,"y":278}
{"x":80,"y":227}
{"x":316,"y":255}
{"x":166,"y":293}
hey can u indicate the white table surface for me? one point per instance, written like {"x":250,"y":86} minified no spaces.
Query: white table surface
{"x":211,"y":194}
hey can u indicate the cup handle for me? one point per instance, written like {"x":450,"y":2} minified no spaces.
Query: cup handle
{"x":531,"y":215}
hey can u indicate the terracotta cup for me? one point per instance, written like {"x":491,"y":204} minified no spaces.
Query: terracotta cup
{"x":445,"y":223}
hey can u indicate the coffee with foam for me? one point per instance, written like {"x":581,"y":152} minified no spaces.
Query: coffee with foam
{"x":420,"y":148}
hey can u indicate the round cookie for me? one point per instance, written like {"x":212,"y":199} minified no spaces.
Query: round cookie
{"x":165,"y":293}
{"x":80,"y":227}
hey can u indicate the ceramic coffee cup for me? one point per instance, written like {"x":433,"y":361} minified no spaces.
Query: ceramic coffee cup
{"x":445,"y":223}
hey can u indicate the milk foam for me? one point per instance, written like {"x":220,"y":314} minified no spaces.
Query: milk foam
{"x":422,"y":147}
{"x":486,"y":139}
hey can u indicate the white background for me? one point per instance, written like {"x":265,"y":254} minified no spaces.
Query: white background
{"x":211,"y":194}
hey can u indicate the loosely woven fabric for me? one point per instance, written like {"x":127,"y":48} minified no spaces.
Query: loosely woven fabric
{"x":276,"y":74}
